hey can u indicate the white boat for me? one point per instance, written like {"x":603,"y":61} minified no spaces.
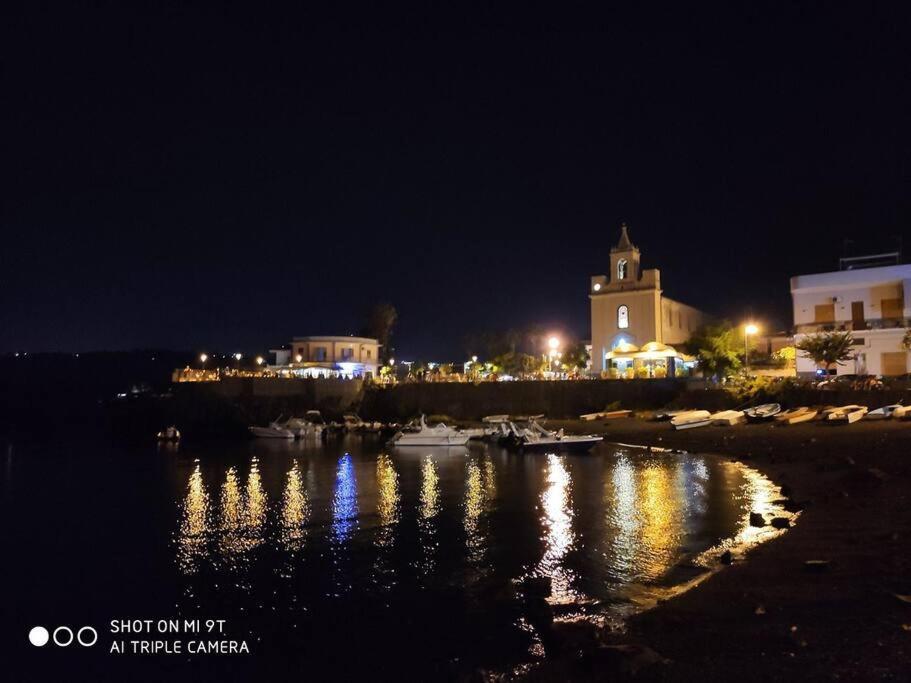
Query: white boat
{"x":534,"y":437}
{"x":764,"y":412}
{"x":796,"y":416}
{"x":692,"y":418}
{"x":883,"y":413}
{"x":605,"y":415}
{"x":847,"y":414}
{"x":425,"y":435}
{"x":169,"y":434}
{"x":495,"y":419}
{"x":275,"y":430}
{"x":727,"y":418}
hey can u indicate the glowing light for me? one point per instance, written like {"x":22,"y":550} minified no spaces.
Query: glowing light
{"x":259,"y":360}
{"x":597,"y":287}
{"x":474,"y":359}
{"x":392,"y":361}
{"x":203,"y":357}
{"x":344,"y":502}
{"x":298,"y":358}
{"x":237,"y":356}
{"x":556,"y":502}
{"x":751,"y":328}
{"x":553,"y":343}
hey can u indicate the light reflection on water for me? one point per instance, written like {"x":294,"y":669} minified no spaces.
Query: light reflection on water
{"x":364,"y":522}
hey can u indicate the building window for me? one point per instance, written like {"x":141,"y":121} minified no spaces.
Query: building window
{"x":319,"y":353}
{"x":622,"y":267}
{"x":623,"y":317}
{"x":368,"y":354}
{"x":347,"y":354}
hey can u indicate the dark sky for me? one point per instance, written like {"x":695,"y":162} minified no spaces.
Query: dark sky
{"x":227,"y":178}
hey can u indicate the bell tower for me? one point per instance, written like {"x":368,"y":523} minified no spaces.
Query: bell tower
{"x":624,"y":260}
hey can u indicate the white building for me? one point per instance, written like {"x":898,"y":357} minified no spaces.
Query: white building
{"x":350,"y":357}
{"x":870,"y":302}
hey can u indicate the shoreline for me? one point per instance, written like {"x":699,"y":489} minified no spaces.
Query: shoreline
{"x":772,"y":616}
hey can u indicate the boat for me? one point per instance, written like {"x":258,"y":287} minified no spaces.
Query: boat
{"x":727,"y":418}
{"x":495,"y":419}
{"x":275,"y":430}
{"x":796,"y":416}
{"x":883,"y":413}
{"x":847,"y":414}
{"x":425,"y":435}
{"x":169,"y":434}
{"x":691,"y":418}
{"x":763,"y":412}
{"x":902,"y":413}
{"x":786,"y":415}
{"x":534,"y":437}
{"x":605,"y":415}
{"x":665,"y":415}
{"x":352,"y":422}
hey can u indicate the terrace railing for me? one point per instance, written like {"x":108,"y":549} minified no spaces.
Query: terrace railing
{"x":854,"y":325}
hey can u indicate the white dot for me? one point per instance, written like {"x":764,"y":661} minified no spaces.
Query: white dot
{"x":39,"y":636}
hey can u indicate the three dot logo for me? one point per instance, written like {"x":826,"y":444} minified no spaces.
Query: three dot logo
{"x":63,"y":636}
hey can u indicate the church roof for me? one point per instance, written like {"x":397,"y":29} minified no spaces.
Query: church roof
{"x":624,"y":244}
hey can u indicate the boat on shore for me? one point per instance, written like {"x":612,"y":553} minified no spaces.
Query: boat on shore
{"x":425,"y":435}
{"x":796,"y":416}
{"x":605,"y":415}
{"x":884,"y":413}
{"x":902,"y":413}
{"x":691,"y":419}
{"x":727,"y":418}
{"x":847,"y":414}
{"x":762,"y":413}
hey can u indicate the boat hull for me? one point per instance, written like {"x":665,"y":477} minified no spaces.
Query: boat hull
{"x":560,"y":445}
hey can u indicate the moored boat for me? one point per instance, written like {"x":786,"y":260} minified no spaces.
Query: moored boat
{"x":425,"y":435}
{"x":534,"y":437}
{"x":169,"y":434}
{"x":275,"y":430}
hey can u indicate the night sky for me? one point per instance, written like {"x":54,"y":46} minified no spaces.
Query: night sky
{"x":224,"y":179}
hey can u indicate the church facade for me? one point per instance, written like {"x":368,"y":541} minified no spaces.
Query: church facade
{"x":633,"y":324}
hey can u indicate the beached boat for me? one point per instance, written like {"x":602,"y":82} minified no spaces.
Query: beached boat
{"x":606,"y":415}
{"x":762,"y":413}
{"x":534,"y":437}
{"x":169,"y":434}
{"x":425,"y":435}
{"x":796,"y":416}
{"x":883,"y":413}
{"x":846,"y":414}
{"x":692,"y":419}
{"x":664,"y":415}
{"x":727,"y":418}
{"x":902,"y":413}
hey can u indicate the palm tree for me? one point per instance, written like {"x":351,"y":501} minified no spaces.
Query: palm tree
{"x":827,"y":348}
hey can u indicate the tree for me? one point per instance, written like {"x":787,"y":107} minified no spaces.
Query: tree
{"x":576,"y":357}
{"x":379,"y":325}
{"x":716,"y":348}
{"x":827,"y":348}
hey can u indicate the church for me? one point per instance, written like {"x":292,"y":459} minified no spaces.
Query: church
{"x":633,"y":324}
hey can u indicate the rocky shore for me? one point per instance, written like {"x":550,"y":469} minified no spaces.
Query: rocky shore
{"x":829,"y":599}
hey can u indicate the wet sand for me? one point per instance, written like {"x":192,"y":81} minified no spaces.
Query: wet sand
{"x":769,"y":616}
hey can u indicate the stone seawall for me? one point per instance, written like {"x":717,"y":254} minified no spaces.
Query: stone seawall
{"x":554,"y":399}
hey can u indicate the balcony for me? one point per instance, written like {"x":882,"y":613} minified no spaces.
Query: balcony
{"x":854,"y":325}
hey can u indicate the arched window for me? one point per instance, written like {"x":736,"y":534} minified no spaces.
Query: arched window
{"x":623,"y":317}
{"x":622,"y":267}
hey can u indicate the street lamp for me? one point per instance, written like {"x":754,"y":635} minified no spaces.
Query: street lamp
{"x":749,"y":329}
{"x":259,"y":360}
{"x":202,"y":359}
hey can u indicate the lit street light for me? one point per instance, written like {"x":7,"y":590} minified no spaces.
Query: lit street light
{"x":747,"y":331}
{"x":202,"y":359}
{"x":259,"y":360}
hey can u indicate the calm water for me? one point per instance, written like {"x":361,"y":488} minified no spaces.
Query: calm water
{"x":347,"y":559}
